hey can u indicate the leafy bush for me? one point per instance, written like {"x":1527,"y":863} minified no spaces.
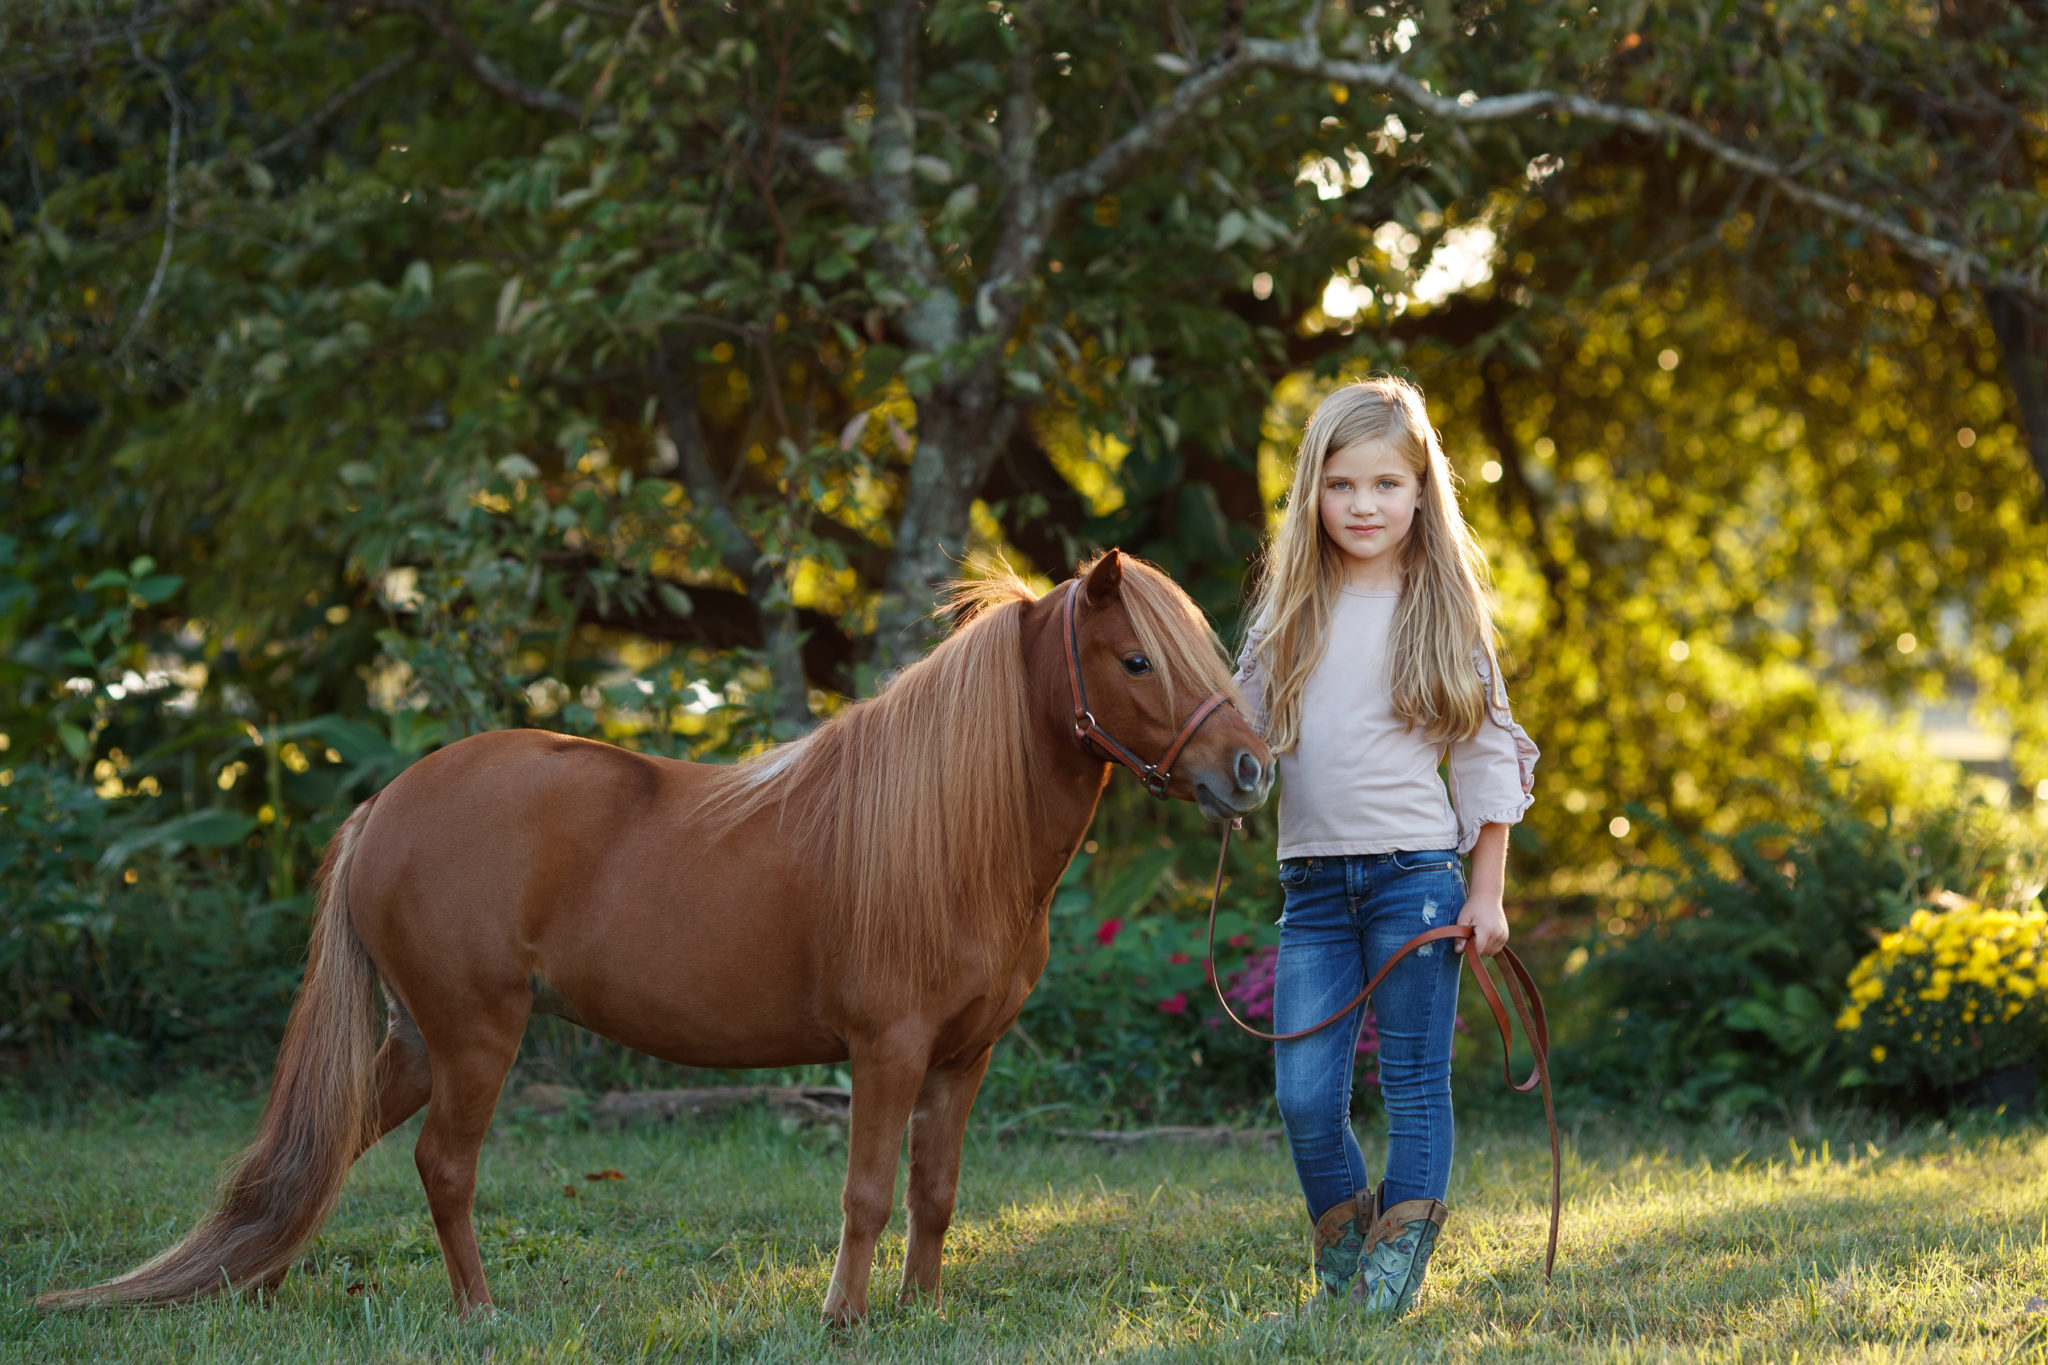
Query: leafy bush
{"x":1957,"y":993}
{"x":1122,"y":1021}
{"x":1728,"y":1001}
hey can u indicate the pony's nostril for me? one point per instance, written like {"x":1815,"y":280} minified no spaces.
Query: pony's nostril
{"x":1248,"y":770}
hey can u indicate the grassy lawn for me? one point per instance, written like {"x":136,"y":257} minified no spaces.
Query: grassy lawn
{"x":1685,"y":1245}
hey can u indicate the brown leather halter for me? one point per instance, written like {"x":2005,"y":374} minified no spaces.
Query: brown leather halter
{"x":1155,"y":776}
{"x":1521,"y":989}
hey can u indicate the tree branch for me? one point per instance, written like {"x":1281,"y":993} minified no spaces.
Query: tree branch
{"x":1014,"y":262}
{"x":933,"y":320}
{"x":491,"y":75}
{"x":723,"y":619}
{"x":714,"y":517}
{"x":764,"y":575}
{"x":2023,"y":342}
{"x":163,"y":259}
{"x":345,"y":97}
{"x":1023,"y":470}
{"x":1110,"y":165}
{"x":1306,"y":59}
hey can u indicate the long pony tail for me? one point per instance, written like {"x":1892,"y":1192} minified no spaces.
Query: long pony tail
{"x":315,"y":1124}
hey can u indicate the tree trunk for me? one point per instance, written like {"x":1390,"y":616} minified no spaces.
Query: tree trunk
{"x":961,"y":429}
{"x":2023,"y":344}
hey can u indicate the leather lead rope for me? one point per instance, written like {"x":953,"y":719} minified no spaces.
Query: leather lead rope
{"x":1521,"y":990}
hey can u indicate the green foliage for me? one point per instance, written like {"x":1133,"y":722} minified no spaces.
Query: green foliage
{"x":129,"y":945}
{"x":1729,"y":999}
{"x":1123,"y":1024}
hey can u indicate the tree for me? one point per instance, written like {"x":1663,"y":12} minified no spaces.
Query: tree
{"x":737,"y":329}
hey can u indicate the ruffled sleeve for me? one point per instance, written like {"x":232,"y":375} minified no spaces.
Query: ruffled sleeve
{"x":1251,"y":679}
{"x":1493,"y":774}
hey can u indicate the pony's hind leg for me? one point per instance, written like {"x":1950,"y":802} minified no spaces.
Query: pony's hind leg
{"x":467,"y":1075}
{"x":403,"y":1079}
{"x":937,"y":1129}
{"x":399,"y":1084}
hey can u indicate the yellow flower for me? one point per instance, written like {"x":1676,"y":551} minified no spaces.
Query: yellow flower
{"x":1877,"y":1053}
{"x":1848,"y":1019}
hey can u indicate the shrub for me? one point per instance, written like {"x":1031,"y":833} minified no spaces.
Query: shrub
{"x":1121,"y":1022}
{"x":1729,"y":1000}
{"x":1957,"y":993}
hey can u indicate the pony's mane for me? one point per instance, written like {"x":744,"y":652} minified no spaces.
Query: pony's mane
{"x":920,"y":800}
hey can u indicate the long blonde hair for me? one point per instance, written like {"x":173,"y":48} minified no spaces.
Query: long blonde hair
{"x":1446,"y":609}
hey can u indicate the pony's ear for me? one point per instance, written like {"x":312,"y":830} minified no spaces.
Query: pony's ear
{"x":1106,"y":578}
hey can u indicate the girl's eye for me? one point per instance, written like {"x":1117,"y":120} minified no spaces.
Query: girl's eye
{"x":1137,"y":665}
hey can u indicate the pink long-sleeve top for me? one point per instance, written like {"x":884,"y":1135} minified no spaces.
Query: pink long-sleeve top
{"x":1359,"y":780}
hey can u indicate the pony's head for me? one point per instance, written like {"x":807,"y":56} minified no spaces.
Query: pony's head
{"x":1148,"y":660}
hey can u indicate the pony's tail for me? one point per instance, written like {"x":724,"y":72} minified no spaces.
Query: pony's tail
{"x":315,"y":1124}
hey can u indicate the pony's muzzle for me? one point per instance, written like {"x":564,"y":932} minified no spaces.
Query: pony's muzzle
{"x":1238,"y":789}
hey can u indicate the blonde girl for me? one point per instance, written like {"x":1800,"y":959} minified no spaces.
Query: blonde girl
{"x":1370,"y":665}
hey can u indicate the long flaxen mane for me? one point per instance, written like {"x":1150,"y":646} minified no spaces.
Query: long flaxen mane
{"x":920,"y":801}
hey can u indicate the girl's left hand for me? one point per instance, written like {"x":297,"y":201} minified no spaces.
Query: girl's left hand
{"x":1489,"y":923}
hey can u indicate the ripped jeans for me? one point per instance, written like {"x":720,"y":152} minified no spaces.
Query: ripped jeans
{"x":1345,"y":917}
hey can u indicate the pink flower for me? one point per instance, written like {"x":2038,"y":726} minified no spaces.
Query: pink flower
{"x":1239,"y":940}
{"x":1178,"y":958}
{"x":1106,"y":932}
{"x":1177,"y":1003}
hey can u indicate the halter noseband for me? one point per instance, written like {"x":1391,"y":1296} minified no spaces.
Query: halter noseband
{"x":1155,"y":776}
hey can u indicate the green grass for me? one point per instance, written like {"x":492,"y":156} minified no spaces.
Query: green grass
{"x":1710,"y":1246}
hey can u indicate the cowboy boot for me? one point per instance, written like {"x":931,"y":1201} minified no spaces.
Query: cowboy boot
{"x":1338,"y":1243}
{"x":1398,"y":1243}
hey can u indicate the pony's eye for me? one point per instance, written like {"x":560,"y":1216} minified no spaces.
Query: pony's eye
{"x":1137,"y":665}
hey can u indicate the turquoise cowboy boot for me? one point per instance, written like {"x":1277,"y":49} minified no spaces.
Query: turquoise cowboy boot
{"x":1336,"y":1245}
{"x":1398,"y":1243}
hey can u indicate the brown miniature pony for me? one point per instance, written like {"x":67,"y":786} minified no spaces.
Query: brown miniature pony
{"x":875,"y":892}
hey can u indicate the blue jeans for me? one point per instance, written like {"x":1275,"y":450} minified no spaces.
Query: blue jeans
{"x":1345,"y":917}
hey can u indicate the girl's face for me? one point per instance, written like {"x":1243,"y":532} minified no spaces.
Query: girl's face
{"x":1368,"y":505}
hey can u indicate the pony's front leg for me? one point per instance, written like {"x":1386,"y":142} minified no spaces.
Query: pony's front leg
{"x":886,"y":1077}
{"x":936,"y":1132}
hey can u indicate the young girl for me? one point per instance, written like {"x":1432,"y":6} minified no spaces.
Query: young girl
{"x":1369,"y":663}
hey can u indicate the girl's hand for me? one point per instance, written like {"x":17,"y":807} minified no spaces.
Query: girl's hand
{"x":1482,"y":899}
{"x":1489,"y":923}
